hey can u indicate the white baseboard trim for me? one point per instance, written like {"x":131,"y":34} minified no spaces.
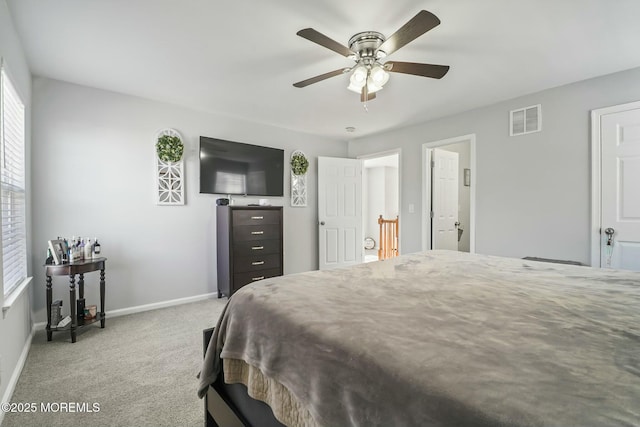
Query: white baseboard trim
{"x":146,"y":307}
{"x":13,"y":381}
{"x":163,"y":304}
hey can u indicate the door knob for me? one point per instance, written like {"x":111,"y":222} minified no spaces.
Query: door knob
{"x":321,"y":222}
{"x":457,"y":224}
{"x":609,"y":232}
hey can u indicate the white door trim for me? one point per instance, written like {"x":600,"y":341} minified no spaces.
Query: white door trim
{"x":397,"y":151}
{"x":426,"y":188}
{"x":596,"y":174}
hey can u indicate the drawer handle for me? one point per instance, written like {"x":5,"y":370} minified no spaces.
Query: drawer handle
{"x":257,"y":263}
{"x":257,"y":278}
{"x":257,"y":232}
{"x":257,"y":248}
{"x":257,"y":217}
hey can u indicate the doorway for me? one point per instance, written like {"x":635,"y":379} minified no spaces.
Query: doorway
{"x":446,"y":227}
{"x":615,"y":213}
{"x":380,"y":197}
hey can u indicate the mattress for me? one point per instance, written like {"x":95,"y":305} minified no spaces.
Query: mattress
{"x":442,"y":338}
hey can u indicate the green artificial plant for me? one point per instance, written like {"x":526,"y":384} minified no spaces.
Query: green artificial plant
{"x":299,"y":164}
{"x":169,"y":148}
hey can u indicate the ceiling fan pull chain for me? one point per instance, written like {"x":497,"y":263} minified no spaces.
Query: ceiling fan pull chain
{"x":365,"y":91}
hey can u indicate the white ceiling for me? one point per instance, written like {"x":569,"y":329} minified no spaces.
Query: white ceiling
{"x":240,"y":58}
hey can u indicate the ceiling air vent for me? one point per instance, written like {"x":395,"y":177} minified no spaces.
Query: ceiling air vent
{"x":525,"y":120}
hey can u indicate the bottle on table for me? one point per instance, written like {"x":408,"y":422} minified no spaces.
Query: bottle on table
{"x":88,"y":250}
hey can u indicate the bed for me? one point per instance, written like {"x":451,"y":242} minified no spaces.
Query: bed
{"x":438,"y":338}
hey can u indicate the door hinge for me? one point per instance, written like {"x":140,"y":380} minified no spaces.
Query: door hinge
{"x":431,"y":214}
{"x":433,"y":164}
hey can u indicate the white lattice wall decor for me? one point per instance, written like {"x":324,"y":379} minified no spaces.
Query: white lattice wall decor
{"x":298,"y":190}
{"x":169,"y":176}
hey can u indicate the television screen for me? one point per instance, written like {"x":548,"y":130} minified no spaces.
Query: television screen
{"x":228,"y":167}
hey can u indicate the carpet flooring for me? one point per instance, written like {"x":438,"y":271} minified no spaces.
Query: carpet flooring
{"x":138,"y":371}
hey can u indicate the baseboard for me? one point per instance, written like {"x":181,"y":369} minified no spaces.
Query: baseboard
{"x":146,"y":307}
{"x":163,"y":304}
{"x":13,"y":381}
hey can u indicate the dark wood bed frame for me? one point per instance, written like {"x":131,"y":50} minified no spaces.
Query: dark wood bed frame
{"x":229,"y":405}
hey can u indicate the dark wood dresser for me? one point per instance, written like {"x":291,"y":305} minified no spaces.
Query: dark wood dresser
{"x":249,"y":244}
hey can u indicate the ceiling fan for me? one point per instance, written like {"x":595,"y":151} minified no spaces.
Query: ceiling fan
{"x":368,"y":48}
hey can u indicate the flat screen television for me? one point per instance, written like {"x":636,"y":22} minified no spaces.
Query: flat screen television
{"x":228,"y":167}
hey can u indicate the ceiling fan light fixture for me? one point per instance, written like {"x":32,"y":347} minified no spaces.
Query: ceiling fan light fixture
{"x":379,"y":75}
{"x":358,"y":79}
{"x":359,"y":75}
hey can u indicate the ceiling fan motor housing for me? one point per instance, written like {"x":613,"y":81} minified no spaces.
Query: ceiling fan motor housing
{"x":365,"y":45}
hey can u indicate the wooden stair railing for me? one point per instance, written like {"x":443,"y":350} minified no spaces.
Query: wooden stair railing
{"x":388,"y":238}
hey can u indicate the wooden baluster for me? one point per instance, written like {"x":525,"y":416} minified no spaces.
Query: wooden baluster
{"x":396,"y":248}
{"x":389,"y":229}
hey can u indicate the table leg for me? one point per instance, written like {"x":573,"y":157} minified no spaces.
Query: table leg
{"x":81,"y":303}
{"x":72,"y":303}
{"x":49,"y":301}
{"x":102,"y":298}
{"x":81,"y":286}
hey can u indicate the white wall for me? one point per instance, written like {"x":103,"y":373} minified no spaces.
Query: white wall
{"x":381,"y":190}
{"x":93,"y":175}
{"x":15,"y":324}
{"x":375,"y":201}
{"x":391,"y":192}
{"x":533,"y":191}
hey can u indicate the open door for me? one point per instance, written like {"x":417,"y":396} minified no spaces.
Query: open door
{"x":464,"y":146}
{"x":444,"y":200}
{"x":620,"y":203}
{"x":339,"y":212}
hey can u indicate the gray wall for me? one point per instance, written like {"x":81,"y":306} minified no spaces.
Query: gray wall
{"x":533,"y":191}
{"x":93,"y":175}
{"x":15,"y":324}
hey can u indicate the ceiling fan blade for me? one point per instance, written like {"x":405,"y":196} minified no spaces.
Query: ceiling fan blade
{"x":365,"y":95}
{"x":321,"y":77}
{"x":417,"y":26}
{"x":417,"y":69}
{"x":319,"y":38}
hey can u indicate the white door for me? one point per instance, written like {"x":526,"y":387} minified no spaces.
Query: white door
{"x":444,"y":199}
{"x":620,"y":186}
{"x":339,"y":212}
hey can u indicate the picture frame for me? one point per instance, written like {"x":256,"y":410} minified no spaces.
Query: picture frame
{"x":59,"y":250}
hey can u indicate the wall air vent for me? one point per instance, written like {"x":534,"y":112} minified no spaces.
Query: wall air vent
{"x":525,"y":120}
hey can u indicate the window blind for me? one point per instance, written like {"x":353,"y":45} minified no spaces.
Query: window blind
{"x":12,"y":185}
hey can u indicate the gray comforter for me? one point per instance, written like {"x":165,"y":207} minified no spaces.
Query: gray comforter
{"x":444,"y":339}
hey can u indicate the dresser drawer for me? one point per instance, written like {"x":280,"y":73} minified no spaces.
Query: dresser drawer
{"x":242,"y":279}
{"x":256,"y":217}
{"x":257,"y":247}
{"x":243,"y":264}
{"x":256,"y":232}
